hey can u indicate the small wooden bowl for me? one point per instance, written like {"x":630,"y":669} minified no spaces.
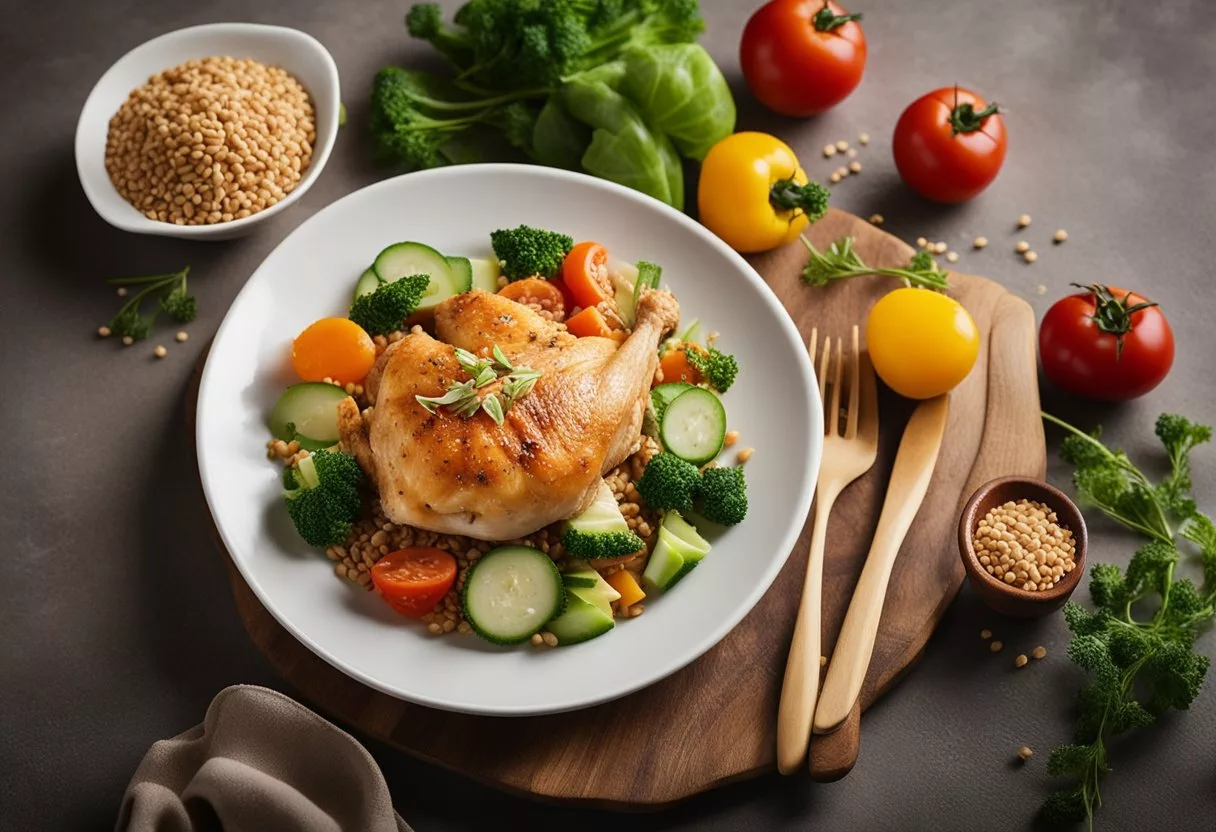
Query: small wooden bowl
{"x":1003,"y":597}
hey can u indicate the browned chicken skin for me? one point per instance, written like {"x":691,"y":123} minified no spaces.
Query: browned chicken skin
{"x":454,"y":475}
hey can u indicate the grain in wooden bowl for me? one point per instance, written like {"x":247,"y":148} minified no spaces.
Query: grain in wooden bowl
{"x":1023,"y":597}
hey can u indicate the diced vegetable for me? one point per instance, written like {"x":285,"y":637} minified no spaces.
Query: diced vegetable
{"x":624,"y":278}
{"x":585,"y":273}
{"x":308,"y":413}
{"x":485,"y":274}
{"x":671,"y":560}
{"x":623,"y":582}
{"x":414,"y":580}
{"x":462,"y":271}
{"x":511,"y":592}
{"x":582,"y":621}
{"x":693,"y":426}
{"x":405,"y":259}
{"x":367,"y":283}
{"x":600,"y":592}
{"x":685,"y":531}
{"x":588,"y":323}
{"x":335,"y":348}
{"x":675,"y":367}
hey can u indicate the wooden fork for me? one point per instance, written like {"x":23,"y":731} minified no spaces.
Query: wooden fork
{"x":845,"y":458}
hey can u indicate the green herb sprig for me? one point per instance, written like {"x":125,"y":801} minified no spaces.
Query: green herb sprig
{"x":1142,"y":664}
{"x":840,"y":262}
{"x":462,"y":397}
{"x":174,"y":300}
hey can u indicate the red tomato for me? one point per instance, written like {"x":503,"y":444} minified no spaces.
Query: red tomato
{"x":949,"y":145}
{"x":801,"y":57}
{"x":414,"y":580}
{"x":585,"y":274}
{"x":1106,"y":344}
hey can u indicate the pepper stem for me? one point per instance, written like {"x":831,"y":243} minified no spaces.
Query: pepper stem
{"x":1113,"y":315}
{"x":964,"y":118}
{"x":811,"y":198}
{"x":826,"y":20}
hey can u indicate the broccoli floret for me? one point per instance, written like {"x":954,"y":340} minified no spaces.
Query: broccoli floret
{"x":715,"y":366}
{"x":425,"y":21}
{"x":326,"y":500}
{"x":1179,"y":435}
{"x":180,"y":305}
{"x":669,"y":483}
{"x":384,"y":310}
{"x":527,"y":252}
{"x":596,"y":545}
{"x":723,"y":495}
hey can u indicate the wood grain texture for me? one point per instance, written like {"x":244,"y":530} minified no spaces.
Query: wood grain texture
{"x":715,"y":721}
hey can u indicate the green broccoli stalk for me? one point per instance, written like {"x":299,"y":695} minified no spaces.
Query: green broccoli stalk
{"x":528,"y":252}
{"x":324,"y":502}
{"x":723,"y":495}
{"x":174,"y":301}
{"x":385,"y":310}
{"x":414,"y":115}
{"x":669,"y":483}
{"x":715,"y":366}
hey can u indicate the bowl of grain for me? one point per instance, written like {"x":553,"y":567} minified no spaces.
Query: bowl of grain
{"x":204,"y":132}
{"x":1023,"y":545}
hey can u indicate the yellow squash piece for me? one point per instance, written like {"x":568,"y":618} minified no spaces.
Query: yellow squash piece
{"x":624,"y":583}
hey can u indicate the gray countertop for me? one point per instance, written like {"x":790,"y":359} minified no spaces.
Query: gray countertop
{"x":117,"y":622}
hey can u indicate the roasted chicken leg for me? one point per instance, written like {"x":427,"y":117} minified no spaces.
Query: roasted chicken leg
{"x":470,"y":476}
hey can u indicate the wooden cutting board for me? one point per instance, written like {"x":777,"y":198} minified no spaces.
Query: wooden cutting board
{"x":714,"y":721}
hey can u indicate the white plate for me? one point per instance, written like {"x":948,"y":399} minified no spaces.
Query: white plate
{"x":774,"y":405}
{"x":300,"y":54}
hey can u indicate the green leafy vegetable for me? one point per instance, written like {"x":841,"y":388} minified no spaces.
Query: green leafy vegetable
{"x":682,"y":93}
{"x":323,"y":496}
{"x":1141,"y":663}
{"x":172,"y":298}
{"x":841,"y":262}
{"x":385,"y":310}
{"x":525,"y":251}
{"x":716,"y":367}
{"x":558,"y":139}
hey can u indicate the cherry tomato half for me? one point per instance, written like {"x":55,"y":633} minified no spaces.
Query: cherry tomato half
{"x":585,"y":274}
{"x":801,"y":57}
{"x":414,"y":580}
{"x":1106,"y":344}
{"x":949,"y":145}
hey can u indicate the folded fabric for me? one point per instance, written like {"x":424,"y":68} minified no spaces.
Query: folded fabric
{"x":263,"y":763}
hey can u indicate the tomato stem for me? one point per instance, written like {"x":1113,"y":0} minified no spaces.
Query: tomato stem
{"x":826,"y":20}
{"x":1113,"y":315}
{"x":964,"y":118}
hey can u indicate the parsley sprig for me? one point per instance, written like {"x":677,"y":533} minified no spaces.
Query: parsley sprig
{"x":840,"y":262}
{"x":174,"y":300}
{"x":1142,"y":663}
{"x":462,"y":397}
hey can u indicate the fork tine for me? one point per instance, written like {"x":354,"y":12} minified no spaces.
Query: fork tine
{"x":868,"y":416}
{"x":850,"y":431}
{"x":837,"y":378}
{"x":823,"y":370}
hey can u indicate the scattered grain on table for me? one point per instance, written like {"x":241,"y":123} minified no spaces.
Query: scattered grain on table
{"x":979,"y":242}
{"x":1024,"y":221}
{"x":1025,"y":753}
{"x":1060,"y":236}
{"x":1021,"y":247}
{"x":1030,"y":257}
{"x":876,"y":219}
{"x":1021,"y":660}
{"x":1038,"y":652}
{"x":951,"y":256}
{"x":996,"y":646}
{"x":842,"y":145}
{"x":829,"y":150}
{"x":985,"y":634}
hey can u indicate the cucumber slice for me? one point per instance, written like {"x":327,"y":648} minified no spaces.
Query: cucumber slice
{"x":665,"y":394}
{"x":485,"y":274}
{"x":404,"y":259}
{"x":582,"y":621}
{"x":693,"y":426}
{"x":511,"y":592}
{"x":308,"y":413}
{"x":367,"y":283}
{"x":462,"y":272}
{"x":591,"y":586}
{"x":579,"y":579}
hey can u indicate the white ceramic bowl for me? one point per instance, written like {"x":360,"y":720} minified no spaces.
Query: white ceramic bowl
{"x":774,"y":404}
{"x":300,"y":54}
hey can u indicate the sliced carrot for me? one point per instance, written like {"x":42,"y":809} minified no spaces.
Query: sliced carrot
{"x":624,"y":583}
{"x":538,"y":293}
{"x":589,"y":322}
{"x":675,"y":366}
{"x":585,"y":273}
{"x":414,"y":580}
{"x":334,"y":348}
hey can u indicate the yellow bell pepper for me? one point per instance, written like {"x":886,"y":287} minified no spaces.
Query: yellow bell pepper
{"x":754,"y":195}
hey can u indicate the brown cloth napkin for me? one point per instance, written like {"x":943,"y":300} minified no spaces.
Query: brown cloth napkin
{"x":263,"y":762}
